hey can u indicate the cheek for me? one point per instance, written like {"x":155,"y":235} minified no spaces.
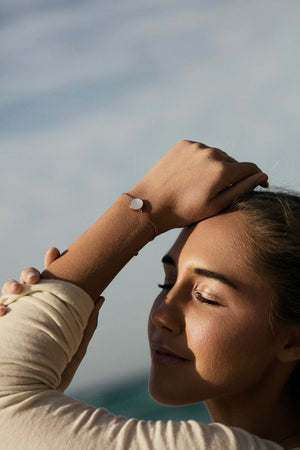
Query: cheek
{"x":228,"y":351}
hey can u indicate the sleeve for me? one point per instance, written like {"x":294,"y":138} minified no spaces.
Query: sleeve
{"x":38,"y":337}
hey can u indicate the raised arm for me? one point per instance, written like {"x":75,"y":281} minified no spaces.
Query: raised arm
{"x":190,"y":183}
{"x":45,"y":323}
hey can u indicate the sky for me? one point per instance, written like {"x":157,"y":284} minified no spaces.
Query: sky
{"x":94,"y":93}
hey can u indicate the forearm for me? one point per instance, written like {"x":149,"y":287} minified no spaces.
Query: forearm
{"x":95,"y":258}
{"x":190,"y":183}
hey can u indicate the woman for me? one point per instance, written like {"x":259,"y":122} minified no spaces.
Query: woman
{"x":219,"y":331}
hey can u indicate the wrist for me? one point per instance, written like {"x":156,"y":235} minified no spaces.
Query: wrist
{"x":142,"y":207}
{"x":155,"y":208}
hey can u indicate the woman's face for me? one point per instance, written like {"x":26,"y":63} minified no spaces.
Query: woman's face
{"x":209,"y":329}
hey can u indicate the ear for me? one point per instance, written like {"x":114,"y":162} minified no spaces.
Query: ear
{"x":290,"y":348}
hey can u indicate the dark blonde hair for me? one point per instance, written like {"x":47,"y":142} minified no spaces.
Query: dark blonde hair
{"x":274,"y":238}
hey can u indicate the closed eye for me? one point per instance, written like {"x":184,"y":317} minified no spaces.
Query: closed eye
{"x":202,"y":299}
{"x":199,"y":297}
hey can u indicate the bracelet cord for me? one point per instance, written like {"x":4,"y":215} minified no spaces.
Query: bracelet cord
{"x":137,"y":204}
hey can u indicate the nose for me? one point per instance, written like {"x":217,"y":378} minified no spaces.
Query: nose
{"x":166,"y":313}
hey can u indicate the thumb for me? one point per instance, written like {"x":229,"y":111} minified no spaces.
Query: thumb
{"x":93,"y":319}
{"x":98,"y":305}
{"x":99,"y":302}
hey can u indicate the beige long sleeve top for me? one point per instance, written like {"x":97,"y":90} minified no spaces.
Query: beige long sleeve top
{"x":38,"y":336}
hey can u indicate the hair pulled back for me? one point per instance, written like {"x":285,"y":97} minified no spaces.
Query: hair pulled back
{"x":273,"y":236}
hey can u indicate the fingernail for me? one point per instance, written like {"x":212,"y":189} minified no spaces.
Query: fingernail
{"x":31,"y":275}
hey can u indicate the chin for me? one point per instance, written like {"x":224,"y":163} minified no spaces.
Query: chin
{"x":167,"y":402}
{"x":169,"y":397}
{"x":161,"y":399}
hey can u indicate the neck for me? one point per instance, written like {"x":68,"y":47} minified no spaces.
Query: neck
{"x":264,"y":412}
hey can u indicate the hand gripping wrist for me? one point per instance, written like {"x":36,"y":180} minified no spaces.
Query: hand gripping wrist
{"x":138,"y":205}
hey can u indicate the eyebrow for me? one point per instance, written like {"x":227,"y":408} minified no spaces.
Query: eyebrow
{"x":167,"y":259}
{"x":213,"y":275}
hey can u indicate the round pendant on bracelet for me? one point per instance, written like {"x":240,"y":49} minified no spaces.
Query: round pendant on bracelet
{"x":136,"y":204}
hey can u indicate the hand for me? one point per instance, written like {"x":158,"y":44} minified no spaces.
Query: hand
{"x":29,"y":276}
{"x":32,"y":276}
{"x":193,"y":182}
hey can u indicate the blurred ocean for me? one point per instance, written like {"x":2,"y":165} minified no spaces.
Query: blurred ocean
{"x":131,"y":399}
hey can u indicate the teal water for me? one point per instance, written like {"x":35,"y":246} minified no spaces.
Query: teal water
{"x":131,"y":399}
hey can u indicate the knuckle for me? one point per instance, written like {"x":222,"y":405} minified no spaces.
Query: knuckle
{"x":196,"y":145}
{"x":185,"y":144}
{"x":252,"y":166}
{"x":255,"y":167}
{"x":200,"y":146}
{"x":215,"y":153}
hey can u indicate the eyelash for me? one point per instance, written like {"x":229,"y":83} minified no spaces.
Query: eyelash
{"x":198,"y":296}
{"x":206,"y":300}
{"x":166,"y":286}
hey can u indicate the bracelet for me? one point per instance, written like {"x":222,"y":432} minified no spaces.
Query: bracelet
{"x":137,"y":204}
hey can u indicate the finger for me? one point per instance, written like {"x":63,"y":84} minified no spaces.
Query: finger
{"x":237,"y":190}
{"x":216,"y":152}
{"x":232,"y":173}
{"x":3,"y":310}
{"x":30,"y":276}
{"x":12,"y":287}
{"x":265,"y":183}
{"x":200,"y":145}
{"x":99,"y":302}
{"x":51,"y":255}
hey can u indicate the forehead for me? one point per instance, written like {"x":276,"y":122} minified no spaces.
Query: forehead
{"x":216,"y":244}
{"x":224,"y":230}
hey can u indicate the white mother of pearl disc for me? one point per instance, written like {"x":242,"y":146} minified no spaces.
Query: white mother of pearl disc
{"x":136,"y":204}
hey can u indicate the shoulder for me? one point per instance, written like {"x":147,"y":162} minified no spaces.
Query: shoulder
{"x":195,"y":435}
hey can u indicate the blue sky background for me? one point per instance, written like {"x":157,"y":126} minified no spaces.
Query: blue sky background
{"x":93,"y":93}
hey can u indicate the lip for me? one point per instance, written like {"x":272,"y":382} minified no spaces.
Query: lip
{"x":163,"y":355}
